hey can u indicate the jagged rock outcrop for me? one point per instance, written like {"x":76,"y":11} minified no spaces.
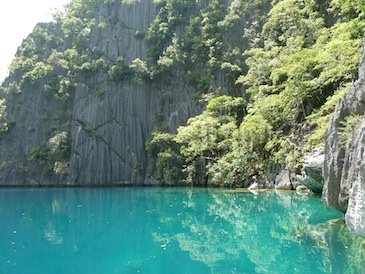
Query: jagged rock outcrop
{"x":355,"y":214}
{"x":271,"y":174}
{"x":311,"y":176}
{"x":344,"y":168}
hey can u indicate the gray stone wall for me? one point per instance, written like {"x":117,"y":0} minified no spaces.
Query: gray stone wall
{"x":344,"y":169}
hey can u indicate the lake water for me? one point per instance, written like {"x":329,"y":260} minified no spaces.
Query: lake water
{"x":178,"y":230}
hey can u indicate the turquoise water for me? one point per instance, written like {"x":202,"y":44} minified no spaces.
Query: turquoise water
{"x":179,"y":230}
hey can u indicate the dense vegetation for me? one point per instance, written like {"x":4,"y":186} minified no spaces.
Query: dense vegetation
{"x":287,"y":70}
{"x":268,"y":71}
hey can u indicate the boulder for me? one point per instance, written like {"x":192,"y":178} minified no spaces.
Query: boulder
{"x":282,"y":180}
{"x":254,"y":186}
{"x":311,"y":176}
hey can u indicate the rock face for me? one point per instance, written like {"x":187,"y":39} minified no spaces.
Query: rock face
{"x":344,"y":168}
{"x":355,"y":214}
{"x":107,"y":122}
{"x":311,"y":176}
{"x":100,"y":125}
{"x":119,"y":120}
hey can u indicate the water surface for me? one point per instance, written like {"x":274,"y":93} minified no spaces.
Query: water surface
{"x":179,"y":230}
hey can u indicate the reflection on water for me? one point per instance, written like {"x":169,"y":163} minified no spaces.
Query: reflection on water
{"x":182,"y":230}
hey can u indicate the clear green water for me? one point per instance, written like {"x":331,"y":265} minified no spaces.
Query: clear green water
{"x":180,"y":230}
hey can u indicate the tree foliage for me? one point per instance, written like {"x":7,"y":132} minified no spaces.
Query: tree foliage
{"x":299,"y":58}
{"x":53,"y":154}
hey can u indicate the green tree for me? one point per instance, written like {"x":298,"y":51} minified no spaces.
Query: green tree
{"x":203,"y":141}
{"x":120,"y":70}
{"x":208,"y":137}
{"x":169,"y":161}
{"x":3,"y":120}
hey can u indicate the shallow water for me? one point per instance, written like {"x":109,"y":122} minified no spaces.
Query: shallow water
{"x":178,"y":230}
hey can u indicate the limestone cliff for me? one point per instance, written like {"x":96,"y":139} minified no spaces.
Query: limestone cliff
{"x":87,"y":90}
{"x":344,"y":169}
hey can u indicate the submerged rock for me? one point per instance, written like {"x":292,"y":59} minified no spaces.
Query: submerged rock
{"x":302,"y":189}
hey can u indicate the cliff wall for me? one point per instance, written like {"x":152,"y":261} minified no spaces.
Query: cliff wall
{"x":75,"y":124}
{"x":107,"y":123}
{"x":108,"y":130}
{"x":344,"y":168}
